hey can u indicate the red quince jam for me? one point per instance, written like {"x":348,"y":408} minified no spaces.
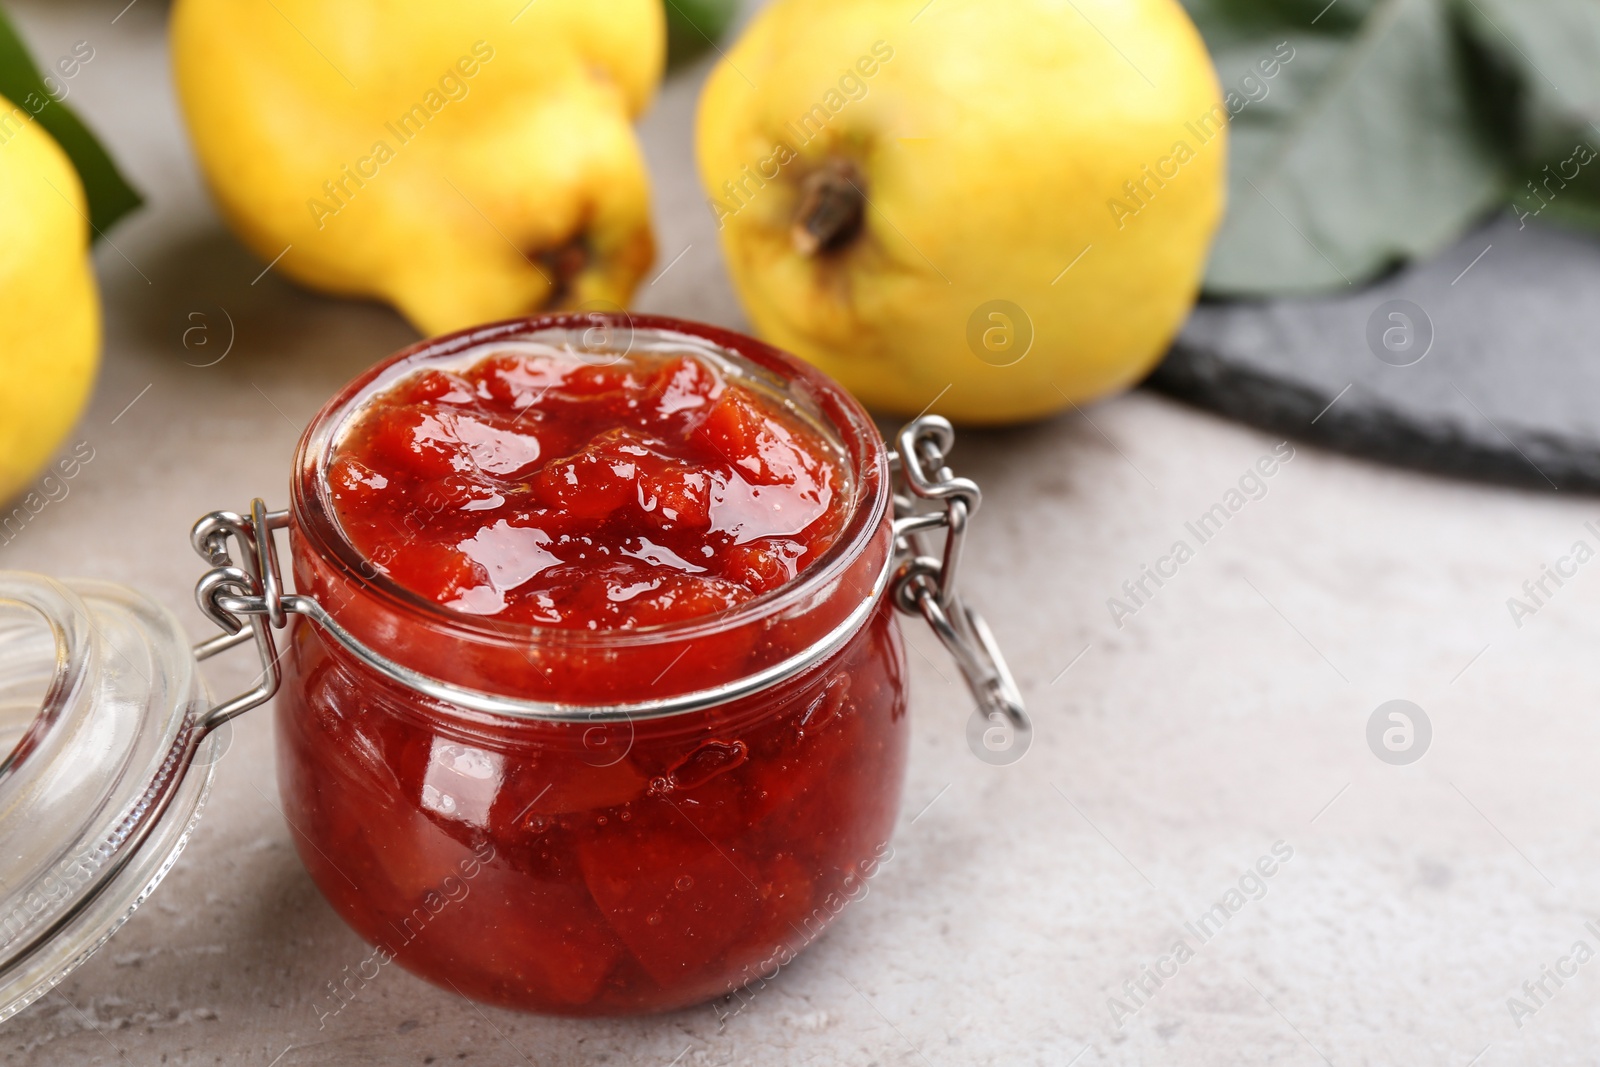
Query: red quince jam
{"x":590,"y":867}
{"x":540,"y":489}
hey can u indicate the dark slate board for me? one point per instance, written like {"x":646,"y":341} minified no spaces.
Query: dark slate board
{"x":1508,"y":391}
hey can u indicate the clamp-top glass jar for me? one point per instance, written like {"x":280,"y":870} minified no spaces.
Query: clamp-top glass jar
{"x":584,"y":818}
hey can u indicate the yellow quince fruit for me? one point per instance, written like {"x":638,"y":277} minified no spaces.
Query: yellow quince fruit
{"x":464,"y":162}
{"x":49,"y":304}
{"x":996,"y":208}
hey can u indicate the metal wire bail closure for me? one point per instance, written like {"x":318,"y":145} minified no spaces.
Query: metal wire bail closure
{"x":999,"y":731}
{"x":245,"y":597}
{"x":253,"y":591}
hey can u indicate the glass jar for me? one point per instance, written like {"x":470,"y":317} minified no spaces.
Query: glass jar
{"x":611,"y":833}
{"x":573,"y":821}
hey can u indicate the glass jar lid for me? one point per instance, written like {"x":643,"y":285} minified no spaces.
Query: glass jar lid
{"x":100,"y":704}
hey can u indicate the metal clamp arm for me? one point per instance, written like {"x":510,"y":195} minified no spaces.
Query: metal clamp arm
{"x":245,"y":599}
{"x":932,"y":499}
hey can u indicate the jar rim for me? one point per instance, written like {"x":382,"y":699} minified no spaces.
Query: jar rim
{"x":316,"y":521}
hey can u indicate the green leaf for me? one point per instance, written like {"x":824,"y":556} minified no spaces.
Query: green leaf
{"x":109,"y":194}
{"x":1365,"y":149}
{"x":695,"y":25}
{"x":1550,"y":49}
{"x":1553,"y":46}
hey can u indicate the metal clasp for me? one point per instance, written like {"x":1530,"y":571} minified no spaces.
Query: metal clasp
{"x":930,"y":498}
{"x":244,"y":598}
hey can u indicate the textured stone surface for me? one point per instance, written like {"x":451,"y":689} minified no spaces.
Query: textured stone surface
{"x":1509,"y":389}
{"x":1228,"y":713}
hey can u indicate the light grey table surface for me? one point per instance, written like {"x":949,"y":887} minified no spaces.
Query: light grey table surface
{"x":1228,"y":714}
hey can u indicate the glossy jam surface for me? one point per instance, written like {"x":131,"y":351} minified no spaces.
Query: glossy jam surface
{"x":535,"y":487}
{"x":593,"y":533}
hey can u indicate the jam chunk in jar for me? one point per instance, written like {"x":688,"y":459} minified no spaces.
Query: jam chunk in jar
{"x":639,"y":727}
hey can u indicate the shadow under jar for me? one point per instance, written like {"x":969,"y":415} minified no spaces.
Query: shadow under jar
{"x":578,"y":819}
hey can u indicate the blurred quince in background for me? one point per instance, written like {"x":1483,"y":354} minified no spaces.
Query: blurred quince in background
{"x":49,"y":306}
{"x":57,"y":186}
{"x":1005,"y":207}
{"x":464,"y":162}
